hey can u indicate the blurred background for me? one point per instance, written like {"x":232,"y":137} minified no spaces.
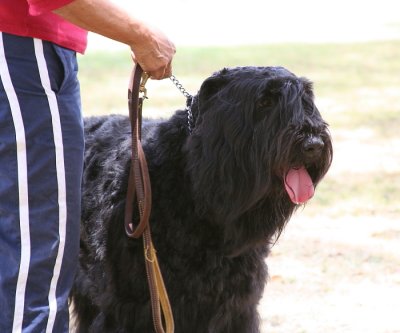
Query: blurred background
{"x":336,"y":267}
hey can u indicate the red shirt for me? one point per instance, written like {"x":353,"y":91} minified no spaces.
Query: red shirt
{"x":34,"y":18}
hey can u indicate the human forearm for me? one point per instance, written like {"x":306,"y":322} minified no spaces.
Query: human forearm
{"x":152,"y":48}
{"x":104,"y":18}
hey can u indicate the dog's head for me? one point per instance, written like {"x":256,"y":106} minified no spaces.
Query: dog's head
{"x":258,"y":139}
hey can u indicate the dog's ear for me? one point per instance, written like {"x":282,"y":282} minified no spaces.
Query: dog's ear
{"x":289,"y":87}
{"x":212,"y":85}
{"x":270,"y":91}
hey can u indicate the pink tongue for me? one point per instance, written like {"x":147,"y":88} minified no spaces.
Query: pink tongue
{"x":299,"y":185}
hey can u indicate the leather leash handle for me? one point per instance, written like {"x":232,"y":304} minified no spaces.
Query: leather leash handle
{"x":139,"y":189}
{"x":139,"y":180}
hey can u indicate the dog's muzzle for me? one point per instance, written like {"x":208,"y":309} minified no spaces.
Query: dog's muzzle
{"x":298,"y":183}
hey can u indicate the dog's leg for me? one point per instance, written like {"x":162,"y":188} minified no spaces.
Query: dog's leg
{"x":243,"y":321}
{"x":83,"y":313}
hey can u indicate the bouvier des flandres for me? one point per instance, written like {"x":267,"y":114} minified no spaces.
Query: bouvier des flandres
{"x":221,"y":192}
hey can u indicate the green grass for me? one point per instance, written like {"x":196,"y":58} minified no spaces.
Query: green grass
{"x":357,"y":87}
{"x":370,"y":194}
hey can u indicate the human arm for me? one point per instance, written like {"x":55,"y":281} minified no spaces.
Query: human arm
{"x":151,"y":48}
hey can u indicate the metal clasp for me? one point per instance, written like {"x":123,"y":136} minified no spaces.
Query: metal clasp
{"x":142,"y":88}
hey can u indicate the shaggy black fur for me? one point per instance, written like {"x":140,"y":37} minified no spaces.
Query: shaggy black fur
{"x":219,"y":201}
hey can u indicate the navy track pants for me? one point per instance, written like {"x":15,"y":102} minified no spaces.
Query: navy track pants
{"x":41,"y":160}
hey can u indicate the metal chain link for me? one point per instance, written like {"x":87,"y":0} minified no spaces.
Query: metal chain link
{"x":179,"y":86}
{"x":189,"y":101}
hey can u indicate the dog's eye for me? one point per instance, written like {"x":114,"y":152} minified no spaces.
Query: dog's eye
{"x":265,"y":103}
{"x":261,"y":109}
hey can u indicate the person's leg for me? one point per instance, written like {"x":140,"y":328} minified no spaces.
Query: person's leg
{"x":41,"y":154}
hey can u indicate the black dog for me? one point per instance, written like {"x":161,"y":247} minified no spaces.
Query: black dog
{"x":221,"y":196}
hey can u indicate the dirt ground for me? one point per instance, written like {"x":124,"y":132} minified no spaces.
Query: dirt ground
{"x":339,"y":275}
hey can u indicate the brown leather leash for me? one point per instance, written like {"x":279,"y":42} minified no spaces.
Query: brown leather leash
{"x":139,"y":192}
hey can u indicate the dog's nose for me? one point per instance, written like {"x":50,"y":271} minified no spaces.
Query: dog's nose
{"x":312,"y":147}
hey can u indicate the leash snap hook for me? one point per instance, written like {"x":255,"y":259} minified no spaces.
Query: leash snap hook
{"x":142,"y":88}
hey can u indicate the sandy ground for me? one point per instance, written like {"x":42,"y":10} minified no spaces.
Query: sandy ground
{"x":340,"y":275}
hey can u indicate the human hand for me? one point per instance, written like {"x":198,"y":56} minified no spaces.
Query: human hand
{"x":154,"y":53}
